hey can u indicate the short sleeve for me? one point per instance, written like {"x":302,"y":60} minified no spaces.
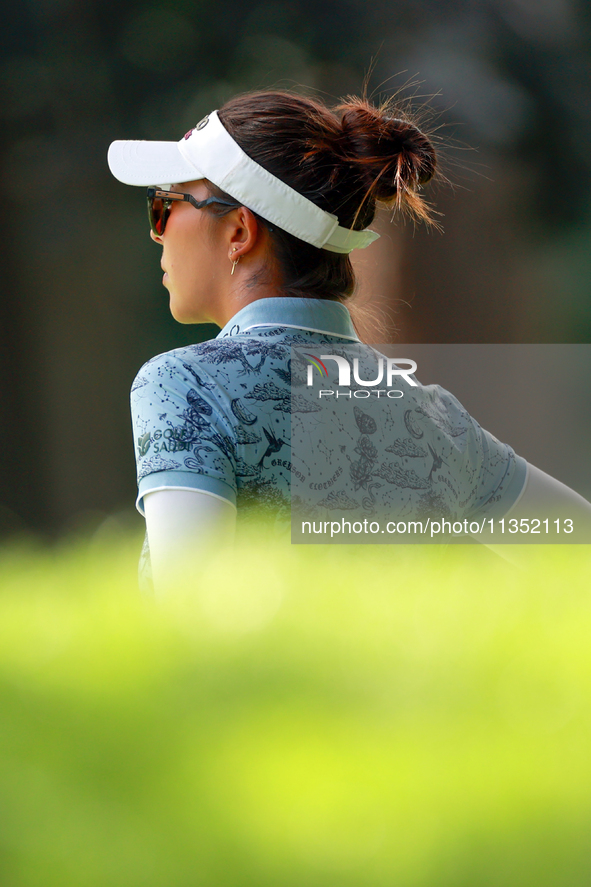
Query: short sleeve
{"x":491,"y":477}
{"x":499,"y":475}
{"x":182,"y":437}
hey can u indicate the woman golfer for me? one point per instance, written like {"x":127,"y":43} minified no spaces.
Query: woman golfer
{"x":256,"y":210}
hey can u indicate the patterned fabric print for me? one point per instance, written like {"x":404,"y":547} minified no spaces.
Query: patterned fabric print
{"x":216,"y":417}
{"x":421,"y":455}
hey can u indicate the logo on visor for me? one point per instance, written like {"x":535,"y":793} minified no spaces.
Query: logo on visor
{"x":201,"y":125}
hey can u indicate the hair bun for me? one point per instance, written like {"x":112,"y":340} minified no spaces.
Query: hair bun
{"x":394,"y":157}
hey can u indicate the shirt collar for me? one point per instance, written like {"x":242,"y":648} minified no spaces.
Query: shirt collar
{"x":313,"y":315}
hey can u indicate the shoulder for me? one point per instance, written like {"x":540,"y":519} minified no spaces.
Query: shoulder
{"x":160,"y":366}
{"x":176,"y":381}
{"x":193,"y":366}
{"x":219,"y":370}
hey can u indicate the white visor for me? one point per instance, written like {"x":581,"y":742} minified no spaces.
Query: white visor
{"x":210,"y":152}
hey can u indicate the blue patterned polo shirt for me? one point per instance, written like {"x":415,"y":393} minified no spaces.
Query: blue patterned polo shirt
{"x":218,"y":417}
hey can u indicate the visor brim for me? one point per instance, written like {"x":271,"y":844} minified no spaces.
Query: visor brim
{"x":150,"y":163}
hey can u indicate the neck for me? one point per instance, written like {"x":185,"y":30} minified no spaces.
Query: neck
{"x":241,"y":296}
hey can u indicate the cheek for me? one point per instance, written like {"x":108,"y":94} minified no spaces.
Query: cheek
{"x":193,"y":280}
{"x":198,"y":267}
{"x":192,"y":260}
{"x":181,"y":260}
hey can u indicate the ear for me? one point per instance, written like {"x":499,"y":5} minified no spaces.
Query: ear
{"x":243,"y":233}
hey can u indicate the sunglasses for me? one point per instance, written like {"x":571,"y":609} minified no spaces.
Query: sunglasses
{"x":160,"y":203}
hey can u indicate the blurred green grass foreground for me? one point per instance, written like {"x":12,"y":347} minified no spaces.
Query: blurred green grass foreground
{"x":306,"y":715}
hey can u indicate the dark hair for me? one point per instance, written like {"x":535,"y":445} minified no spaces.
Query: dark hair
{"x":344,"y":160}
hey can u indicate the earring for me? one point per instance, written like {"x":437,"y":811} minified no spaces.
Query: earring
{"x":234,"y":261}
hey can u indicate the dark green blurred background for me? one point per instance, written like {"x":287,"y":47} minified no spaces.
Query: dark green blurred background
{"x":83,"y":306}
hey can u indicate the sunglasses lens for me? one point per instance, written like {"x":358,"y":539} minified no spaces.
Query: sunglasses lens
{"x":159,"y":212}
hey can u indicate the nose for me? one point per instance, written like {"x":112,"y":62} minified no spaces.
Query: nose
{"x":156,"y":237}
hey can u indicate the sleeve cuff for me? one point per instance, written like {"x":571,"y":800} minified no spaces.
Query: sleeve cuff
{"x":183,"y":480}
